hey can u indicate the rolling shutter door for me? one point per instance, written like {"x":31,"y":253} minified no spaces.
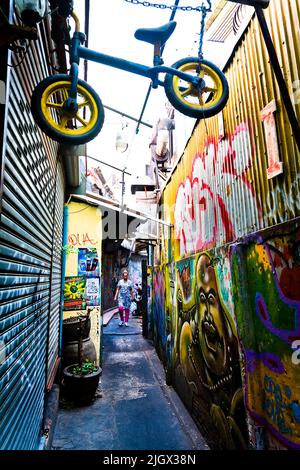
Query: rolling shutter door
{"x":54,"y":316}
{"x":30,"y":237}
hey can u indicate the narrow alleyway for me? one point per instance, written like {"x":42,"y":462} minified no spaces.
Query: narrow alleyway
{"x":137,"y":409}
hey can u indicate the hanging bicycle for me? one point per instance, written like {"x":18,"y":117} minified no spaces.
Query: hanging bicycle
{"x":69,"y":110}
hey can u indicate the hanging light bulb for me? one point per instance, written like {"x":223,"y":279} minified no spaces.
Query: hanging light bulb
{"x":121,"y":140}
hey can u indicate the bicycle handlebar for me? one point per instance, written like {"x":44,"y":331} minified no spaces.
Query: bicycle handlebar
{"x":77,"y":22}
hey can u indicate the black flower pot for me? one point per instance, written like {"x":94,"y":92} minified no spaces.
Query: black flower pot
{"x":71,"y":328}
{"x":80,"y":389}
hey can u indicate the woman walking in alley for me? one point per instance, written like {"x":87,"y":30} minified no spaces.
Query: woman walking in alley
{"x":124,"y":294}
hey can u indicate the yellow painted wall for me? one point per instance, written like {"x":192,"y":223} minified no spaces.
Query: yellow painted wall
{"x":85,"y":231}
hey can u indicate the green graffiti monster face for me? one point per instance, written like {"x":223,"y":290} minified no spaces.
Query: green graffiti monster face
{"x":212,"y":332}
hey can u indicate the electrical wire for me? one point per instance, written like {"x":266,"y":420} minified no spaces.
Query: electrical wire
{"x":80,"y":210}
{"x":13,"y":66}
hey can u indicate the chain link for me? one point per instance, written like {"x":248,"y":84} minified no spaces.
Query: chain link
{"x":203,"y":8}
{"x":202,"y":31}
{"x":162,"y":6}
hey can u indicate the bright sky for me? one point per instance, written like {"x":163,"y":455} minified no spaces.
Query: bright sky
{"x":112,"y":27}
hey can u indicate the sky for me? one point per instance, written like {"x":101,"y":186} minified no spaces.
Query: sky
{"x":112,"y":27}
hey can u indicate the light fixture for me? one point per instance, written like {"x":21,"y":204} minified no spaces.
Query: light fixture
{"x":122,"y":140}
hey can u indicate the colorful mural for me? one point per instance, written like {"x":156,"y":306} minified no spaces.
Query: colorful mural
{"x":149,"y":303}
{"x":267,"y":305}
{"x":159,"y":316}
{"x":228,"y":323}
{"x":205,"y":354}
{"x":235,"y":314}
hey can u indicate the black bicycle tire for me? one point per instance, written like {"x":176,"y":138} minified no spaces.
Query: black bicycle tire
{"x":48,"y":129}
{"x":187,"y":110}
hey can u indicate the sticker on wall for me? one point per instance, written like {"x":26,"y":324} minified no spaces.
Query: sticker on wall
{"x":92,"y":291}
{"x":88,"y":262}
{"x":74,"y":293}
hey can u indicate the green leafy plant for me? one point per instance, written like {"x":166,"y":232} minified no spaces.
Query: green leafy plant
{"x":67,"y":249}
{"x":88,"y":367}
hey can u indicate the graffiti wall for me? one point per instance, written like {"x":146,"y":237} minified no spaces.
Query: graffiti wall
{"x":267,"y":304}
{"x":229,"y":274}
{"x":231,"y":326}
{"x":225,"y":185}
{"x":206,"y":210}
{"x":149,"y":302}
{"x":202,"y":346}
{"x":159,"y":314}
{"x":227,"y":326}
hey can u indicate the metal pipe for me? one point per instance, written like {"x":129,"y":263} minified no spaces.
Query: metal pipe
{"x":63,"y":274}
{"x":143,"y":109}
{"x":108,"y":164}
{"x":127,"y":116}
{"x":86,"y":32}
{"x":278,"y":74}
{"x":115,"y":62}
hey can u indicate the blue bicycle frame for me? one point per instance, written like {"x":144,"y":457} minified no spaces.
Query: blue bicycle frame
{"x":79,"y":52}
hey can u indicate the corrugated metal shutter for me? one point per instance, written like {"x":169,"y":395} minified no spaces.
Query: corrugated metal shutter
{"x":53,"y":335}
{"x":30,"y":235}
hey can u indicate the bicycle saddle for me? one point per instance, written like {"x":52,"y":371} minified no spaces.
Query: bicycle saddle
{"x":155,"y":35}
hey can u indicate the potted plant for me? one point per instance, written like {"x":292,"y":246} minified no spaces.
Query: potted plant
{"x":71,"y":326}
{"x":80,"y":380}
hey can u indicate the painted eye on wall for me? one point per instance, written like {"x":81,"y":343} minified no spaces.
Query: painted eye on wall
{"x":211,"y":299}
{"x":202,"y":298}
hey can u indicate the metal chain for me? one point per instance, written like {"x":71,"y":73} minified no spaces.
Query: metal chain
{"x":162,"y":6}
{"x":203,"y":8}
{"x":204,"y":12}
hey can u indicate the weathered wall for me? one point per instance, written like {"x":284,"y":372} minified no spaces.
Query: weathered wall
{"x":226,"y":304}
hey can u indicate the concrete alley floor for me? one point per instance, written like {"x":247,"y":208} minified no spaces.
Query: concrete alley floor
{"x":137,"y":410}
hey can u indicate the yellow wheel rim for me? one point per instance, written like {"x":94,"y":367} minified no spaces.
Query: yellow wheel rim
{"x":189,"y":95}
{"x":58,"y":118}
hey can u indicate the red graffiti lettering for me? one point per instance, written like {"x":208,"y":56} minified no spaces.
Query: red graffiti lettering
{"x":81,"y":239}
{"x":206,"y":209}
{"x":73,"y":239}
{"x":86,"y":239}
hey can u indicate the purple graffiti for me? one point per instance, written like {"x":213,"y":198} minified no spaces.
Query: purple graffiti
{"x":270,"y":360}
{"x":286,"y":335}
